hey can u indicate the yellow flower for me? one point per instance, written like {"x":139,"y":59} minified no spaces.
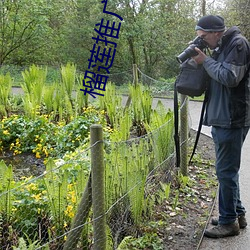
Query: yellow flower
{"x":12,"y":145}
{"x":69,"y":211}
{"x":14,"y":209}
{"x":31,"y":187}
{"x":73,"y":199}
{"x":38,"y":155}
{"x":6,"y":132}
{"x":45,"y":151}
{"x":37,"y":196}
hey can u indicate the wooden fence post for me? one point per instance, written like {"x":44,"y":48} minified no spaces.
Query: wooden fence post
{"x":184,"y":135}
{"x":135,"y":74}
{"x":80,"y":218}
{"x":98,"y":185}
{"x":135,"y":82}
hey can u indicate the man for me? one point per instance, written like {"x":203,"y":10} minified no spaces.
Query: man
{"x":228,"y":112}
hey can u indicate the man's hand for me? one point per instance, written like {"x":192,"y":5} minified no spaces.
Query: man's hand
{"x":200,"y":58}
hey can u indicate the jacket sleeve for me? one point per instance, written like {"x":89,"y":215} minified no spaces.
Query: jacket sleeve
{"x":234,"y":66}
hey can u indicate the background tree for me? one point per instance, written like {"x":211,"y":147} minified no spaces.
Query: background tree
{"x":22,"y":24}
{"x":237,"y":13}
{"x":153,"y":32}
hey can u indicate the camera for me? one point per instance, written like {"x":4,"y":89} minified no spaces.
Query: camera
{"x":190,"y":51}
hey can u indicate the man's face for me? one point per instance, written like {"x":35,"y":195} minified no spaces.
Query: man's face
{"x":211,"y":38}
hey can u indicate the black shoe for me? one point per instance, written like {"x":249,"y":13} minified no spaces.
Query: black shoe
{"x":221,"y":231}
{"x":241,"y":219}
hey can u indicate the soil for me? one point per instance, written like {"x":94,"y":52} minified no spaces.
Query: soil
{"x":25,"y":164}
{"x":181,"y":219}
{"x":186,"y":223}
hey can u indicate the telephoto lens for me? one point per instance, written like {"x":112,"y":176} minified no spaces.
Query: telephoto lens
{"x":190,"y":51}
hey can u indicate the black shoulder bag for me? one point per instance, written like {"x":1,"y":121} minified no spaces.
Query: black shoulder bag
{"x":191,"y":81}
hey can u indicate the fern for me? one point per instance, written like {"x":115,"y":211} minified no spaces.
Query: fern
{"x":48,"y":98}
{"x":161,"y":126}
{"x":56,"y":185}
{"x":68,"y":74}
{"x":5,"y":90}
{"x":6,"y":184}
{"x":33,"y":86}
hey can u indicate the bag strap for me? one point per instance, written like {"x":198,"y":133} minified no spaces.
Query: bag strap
{"x":176,"y":126}
{"x":199,"y":127}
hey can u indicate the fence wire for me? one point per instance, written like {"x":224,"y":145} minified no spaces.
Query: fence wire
{"x":43,"y":210}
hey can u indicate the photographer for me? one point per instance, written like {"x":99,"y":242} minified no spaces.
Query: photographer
{"x":228,"y":112}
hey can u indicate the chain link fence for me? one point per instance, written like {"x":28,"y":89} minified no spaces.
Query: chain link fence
{"x":69,"y":207}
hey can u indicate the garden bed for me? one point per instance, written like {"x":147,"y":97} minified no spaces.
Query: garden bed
{"x":186,"y":224}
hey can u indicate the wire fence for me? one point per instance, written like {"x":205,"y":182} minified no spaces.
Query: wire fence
{"x":55,"y":210}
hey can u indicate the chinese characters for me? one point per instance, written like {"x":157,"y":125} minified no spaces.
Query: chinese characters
{"x":101,"y":58}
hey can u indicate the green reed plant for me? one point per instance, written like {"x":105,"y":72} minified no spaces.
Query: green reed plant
{"x":126,"y":171}
{"x":56,"y":187}
{"x":136,"y":179}
{"x":59,"y":102}
{"x":161,"y":128}
{"x":81,"y":100}
{"x":48,"y":97}
{"x":121,"y":131}
{"x":33,"y":85}
{"x":5,"y":89}
{"x":68,"y":74}
{"x":141,"y":105}
{"x":64,"y":184}
{"x":62,"y":105}
{"x":113,"y":108}
{"x":6,"y":184}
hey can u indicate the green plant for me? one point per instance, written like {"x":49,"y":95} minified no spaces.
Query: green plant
{"x":64,"y":185}
{"x":30,"y":208}
{"x":164,"y":191}
{"x":5,"y":89}
{"x":126,"y":172}
{"x":113,"y":109}
{"x":176,"y":199}
{"x":33,"y":86}
{"x":81,"y":100}
{"x":141,"y":104}
{"x":62,"y":104}
{"x":161,"y":128}
{"x":68,"y":74}
{"x":48,"y":97}
{"x":56,"y":187}
{"x":147,"y":241}
{"x":23,"y":246}
{"x":45,"y":138}
{"x":6,"y":184}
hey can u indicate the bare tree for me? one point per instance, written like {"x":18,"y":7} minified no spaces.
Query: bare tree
{"x":20,"y":21}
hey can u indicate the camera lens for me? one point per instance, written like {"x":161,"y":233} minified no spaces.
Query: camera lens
{"x":187,"y":53}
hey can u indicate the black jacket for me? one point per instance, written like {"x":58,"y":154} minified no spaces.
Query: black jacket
{"x":229,"y":90}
